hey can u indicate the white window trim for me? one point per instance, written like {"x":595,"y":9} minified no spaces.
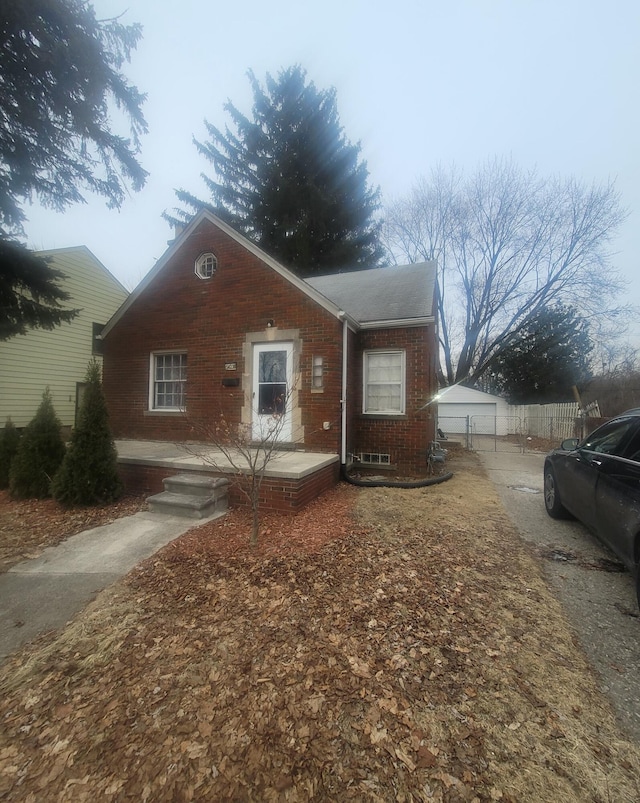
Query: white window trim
{"x":200,"y":262}
{"x":152,"y":382}
{"x":317,"y":362}
{"x":403,"y":382}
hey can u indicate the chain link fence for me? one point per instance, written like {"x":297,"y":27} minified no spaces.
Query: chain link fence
{"x":510,"y":433}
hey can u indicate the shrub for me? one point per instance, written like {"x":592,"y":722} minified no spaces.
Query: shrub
{"x":39,"y":454}
{"x":9,"y":440}
{"x":89,"y":472}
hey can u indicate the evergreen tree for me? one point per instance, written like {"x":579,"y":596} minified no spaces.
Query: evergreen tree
{"x":61,"y":77}
{"x":9,"y":440}
{"x":89,"y":472}
{"x":29,"y":292}
{"x":545,"y":360}
{"x":39,"y":454}
{"x":290,"y":180}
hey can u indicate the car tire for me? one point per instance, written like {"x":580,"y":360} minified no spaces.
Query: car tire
{"x":552,"y":503}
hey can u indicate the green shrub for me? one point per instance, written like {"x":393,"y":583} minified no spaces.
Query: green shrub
{"x":39,"y":454}
{"x":9,"y":440}
{"x":89,"y":472}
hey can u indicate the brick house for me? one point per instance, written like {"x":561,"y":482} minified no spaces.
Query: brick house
{"x":219,"y":327}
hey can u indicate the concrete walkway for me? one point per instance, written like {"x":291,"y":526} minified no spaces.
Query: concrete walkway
{"x":44,"y":593}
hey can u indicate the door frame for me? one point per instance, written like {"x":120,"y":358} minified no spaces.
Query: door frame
{"x":259,"y":422}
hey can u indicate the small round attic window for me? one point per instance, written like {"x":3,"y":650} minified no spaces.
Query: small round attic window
{"x":206,"y":265}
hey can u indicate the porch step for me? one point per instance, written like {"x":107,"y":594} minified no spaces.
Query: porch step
{"x":193,"y":496}
{"x":196,"y":485}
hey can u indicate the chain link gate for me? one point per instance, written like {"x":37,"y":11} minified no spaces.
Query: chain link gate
{"x":486,"y":433}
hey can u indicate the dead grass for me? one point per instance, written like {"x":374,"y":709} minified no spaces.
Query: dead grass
{"x":385,"y":645}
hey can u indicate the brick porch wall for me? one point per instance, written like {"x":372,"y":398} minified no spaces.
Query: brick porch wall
{"x":276,"y":494}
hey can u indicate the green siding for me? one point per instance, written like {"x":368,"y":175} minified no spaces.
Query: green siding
{"x":58,"y":359}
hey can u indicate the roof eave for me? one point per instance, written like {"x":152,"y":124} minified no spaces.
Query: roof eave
{"x":398,"y":323}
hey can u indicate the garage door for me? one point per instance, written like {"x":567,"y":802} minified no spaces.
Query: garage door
{"x":452,"y":418}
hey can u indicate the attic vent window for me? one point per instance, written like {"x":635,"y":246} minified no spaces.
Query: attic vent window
{"x":206,"y":266}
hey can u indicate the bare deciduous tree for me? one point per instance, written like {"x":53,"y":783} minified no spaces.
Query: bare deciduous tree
{"x":242,"y":449}
{"x":508,"y":244}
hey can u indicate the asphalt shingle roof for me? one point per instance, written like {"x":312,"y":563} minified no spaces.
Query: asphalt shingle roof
{"x":382,"y":294}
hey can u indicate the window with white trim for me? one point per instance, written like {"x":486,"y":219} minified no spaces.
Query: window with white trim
{"x":206,"y":265}
{"x":384,"y":382}
{"x":168,"y":381}
{"x":317,"y":373}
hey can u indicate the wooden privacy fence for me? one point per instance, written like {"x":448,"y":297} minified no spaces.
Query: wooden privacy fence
{"x":554,"y":422}
{"x":549,"y":422}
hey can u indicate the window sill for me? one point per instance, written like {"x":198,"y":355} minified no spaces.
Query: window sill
{"x":166,"y":413}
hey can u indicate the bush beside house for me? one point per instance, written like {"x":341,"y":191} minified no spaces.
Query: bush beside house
{"x":39,"y":455}
{"x":88,"y":474}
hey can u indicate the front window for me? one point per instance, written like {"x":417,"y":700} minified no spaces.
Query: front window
{"x":168,"y":381}
{"x":384,"y":379}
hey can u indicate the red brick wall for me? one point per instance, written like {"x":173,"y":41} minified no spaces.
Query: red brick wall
{"x":284,"y":495}
{"x":405,"y":438}
{"x":209,"y":320}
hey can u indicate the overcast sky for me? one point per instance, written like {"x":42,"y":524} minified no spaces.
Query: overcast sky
{"x":551,"y":83}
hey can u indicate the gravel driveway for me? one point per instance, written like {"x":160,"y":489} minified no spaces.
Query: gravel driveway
{"x":598,"y":595}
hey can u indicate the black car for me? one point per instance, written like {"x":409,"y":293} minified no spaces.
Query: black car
{"x":597,"y":480}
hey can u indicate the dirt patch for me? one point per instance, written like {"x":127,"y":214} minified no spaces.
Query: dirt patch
{"x":384,"y":645}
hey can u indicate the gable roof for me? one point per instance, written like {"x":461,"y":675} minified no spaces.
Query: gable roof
{"x":338,"y":296}
{"x":80,"y":255}
{"x":383,"y":296}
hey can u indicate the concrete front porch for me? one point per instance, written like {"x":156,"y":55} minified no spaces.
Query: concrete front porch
{"x":292,"y":478}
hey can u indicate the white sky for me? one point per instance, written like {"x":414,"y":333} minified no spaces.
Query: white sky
{"x":552,"y":83}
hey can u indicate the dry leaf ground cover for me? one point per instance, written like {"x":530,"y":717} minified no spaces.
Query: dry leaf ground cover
{"x":384,"y":645}
{"x":30,"y":525}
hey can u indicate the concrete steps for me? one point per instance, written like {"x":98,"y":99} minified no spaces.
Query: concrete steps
{"x":192,"y":496}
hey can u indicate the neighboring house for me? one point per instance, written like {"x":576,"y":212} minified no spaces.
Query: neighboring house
{"x":58,"y":358}
{"x":463,"y":410}
{"x":218,"y":327}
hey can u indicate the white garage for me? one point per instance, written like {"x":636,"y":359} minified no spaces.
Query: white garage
{"x":460,"y":408}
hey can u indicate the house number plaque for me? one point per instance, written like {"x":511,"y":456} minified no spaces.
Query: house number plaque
{"x":230,"y":366}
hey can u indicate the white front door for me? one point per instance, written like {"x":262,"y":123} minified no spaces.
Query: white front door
{"x":272,"y":380}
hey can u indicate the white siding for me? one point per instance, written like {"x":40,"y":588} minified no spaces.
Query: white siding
{"x":58,"y":358}
{"x":457,"y":402}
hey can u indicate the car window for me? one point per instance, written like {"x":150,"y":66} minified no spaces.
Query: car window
{"x":632,"y":451}
{"x":610,"y":438}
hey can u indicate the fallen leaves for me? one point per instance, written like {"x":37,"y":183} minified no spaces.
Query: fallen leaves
{"x":376,"y":647}
{"x":30,"y":525}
